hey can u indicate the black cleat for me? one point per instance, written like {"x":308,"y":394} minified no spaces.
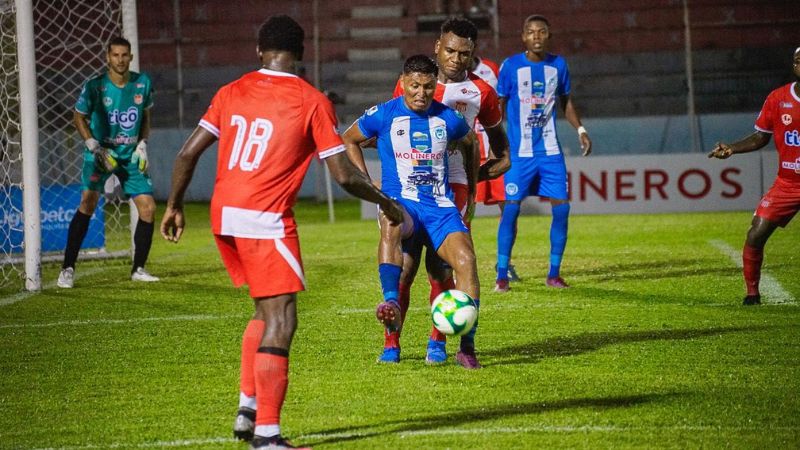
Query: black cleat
{"x":245,"y":424}
{"x":751,"y":300}
{"x":272,"y":443}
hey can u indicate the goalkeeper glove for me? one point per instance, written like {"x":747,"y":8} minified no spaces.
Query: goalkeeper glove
{"x":140,"y":156}
{"x":102,"y":158}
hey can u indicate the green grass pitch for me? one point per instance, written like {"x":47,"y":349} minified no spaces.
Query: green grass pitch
{"x":650,"y":348}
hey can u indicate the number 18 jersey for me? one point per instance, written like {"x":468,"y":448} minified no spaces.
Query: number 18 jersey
{"x":269,"y":126}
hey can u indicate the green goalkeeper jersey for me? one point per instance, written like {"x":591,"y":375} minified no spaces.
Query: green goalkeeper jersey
{"x":115,"y":113}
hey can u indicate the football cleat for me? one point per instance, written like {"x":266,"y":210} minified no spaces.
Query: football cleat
{"x":751,"y":300}
{"x":390,"y":355}
{"x":556,"y":282}
{"x":502,"y":286}
{"x":272,"y":443}
{"x":388,"y":313}
{"x":436,"y":353}
{"x":142,"y":275}
{"x":468,"y":360}
{"x":66,"y":278}
{"x":245,"y":424}
{"x":512,"y":274}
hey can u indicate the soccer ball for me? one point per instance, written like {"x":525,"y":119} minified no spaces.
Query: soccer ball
{"x":454,"y":312}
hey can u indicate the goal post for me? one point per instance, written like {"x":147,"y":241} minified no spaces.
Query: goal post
{"x":49,"y":49}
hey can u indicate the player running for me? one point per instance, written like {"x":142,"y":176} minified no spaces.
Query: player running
{"x":476,"y":100}
{"x":269,"y":124}
{"x":779,"y":117}
{"x":413,"y":133}
{"x":529,"y":85}
{"x":112,"y":116}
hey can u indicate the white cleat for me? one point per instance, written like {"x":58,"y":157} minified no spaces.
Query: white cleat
{"x":66,"y":278}
{"x":142,"y":275}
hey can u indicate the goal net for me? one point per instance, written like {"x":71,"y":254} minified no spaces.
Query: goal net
{"x":70,"y":45}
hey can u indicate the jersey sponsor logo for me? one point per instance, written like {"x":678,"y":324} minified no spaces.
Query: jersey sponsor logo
{"x":537,"y":84}
{"x":107,"y":101}
{"x":786,"y":119}
{"x":125,"y":119}
{"x":138,"y":99}
{"x":512,"y":189}
{"x":122,"y":139}
{"x":439,"y":131}
{"x":792,"y":138}
{"x":460,"y":107}
{"x":418,"y":136}
{"x":139,"y":85}
{"x":416,"y":156}
{"x":469,"y":91}
{"x":422,"y":178}
{"x":787,"y":105}
{"x":792,"y":165}
{"x":537,"y":100}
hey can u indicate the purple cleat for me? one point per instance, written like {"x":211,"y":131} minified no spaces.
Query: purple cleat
{"x":388,"y":313}
{"x":502,"y":286}
{"x":556,"y":282}
{"x":468,"y":360}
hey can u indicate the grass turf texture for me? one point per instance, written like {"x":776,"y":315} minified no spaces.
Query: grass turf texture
{"x":650,"y":348}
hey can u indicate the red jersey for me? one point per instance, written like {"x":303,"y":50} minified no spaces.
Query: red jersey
{"x":780,"y":116}
{"x":269,"y":126}
{"x":475,"y":100}
{"x":488,"y":70}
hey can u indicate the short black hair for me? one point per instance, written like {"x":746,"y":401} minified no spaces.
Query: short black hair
{"x":461,"y":27}
{"x":536,"y":17}
{"x":281,"y":32}
{"x":118,"y":40}
{"x":420,"y":64}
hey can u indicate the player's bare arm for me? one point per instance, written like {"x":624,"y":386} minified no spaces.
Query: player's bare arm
{"x":357,"y":183}
{"x":173,"y":222}
{"x":353,"y":141}
{"x":498,"y":144}
{"x":753,"y":142}
{"x":572,"y":116}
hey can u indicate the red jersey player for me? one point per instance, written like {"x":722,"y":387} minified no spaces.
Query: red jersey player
{"x":489,"y":192}
{"x":779,"y":117}
{"x":475,"y":99}
{"x":269,"y":123}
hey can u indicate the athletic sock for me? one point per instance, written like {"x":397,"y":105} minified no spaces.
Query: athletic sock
{"x":390,"y":281}
{"x":468,"y":340}
{"x":142,"y":240}
{"x":78,"y":227}
{"x":391,"y":339}
{"x":752,"y":258}
{"x":437,"y":288}
{"x":250,"y":343}
{"x":558,"y":238}
{"x":506,"y":233}
{"x":271,"y":371}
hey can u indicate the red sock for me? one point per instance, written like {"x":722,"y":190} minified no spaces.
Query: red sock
{"x":436,"y":289}
{"x":272,"y":378}
{"x":250,"y":342}
{"x":392,"y":339}
{"x":751,"y":268}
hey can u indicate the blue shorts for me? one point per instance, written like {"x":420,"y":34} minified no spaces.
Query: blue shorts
{"x":432,"y":224}
{"x":545,"y":176}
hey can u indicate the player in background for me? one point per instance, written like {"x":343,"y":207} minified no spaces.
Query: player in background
{"x":476,"y":100}
{"x":413,"y":134}
{"x":779,"y":117}
{"x":269,"y":123}
{"x":112,"y":115}
{"x":490,"y":192}
{"x":529,"y":85}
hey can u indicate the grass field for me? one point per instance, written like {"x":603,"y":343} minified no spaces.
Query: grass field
{"x":650,"y":348}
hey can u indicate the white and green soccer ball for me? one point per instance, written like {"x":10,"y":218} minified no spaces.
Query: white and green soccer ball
{"x":454,"y":312}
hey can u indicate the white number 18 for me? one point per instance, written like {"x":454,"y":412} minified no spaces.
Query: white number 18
{"x":249,"y":153}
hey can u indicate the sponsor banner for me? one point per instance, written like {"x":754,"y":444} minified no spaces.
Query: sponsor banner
{"x":58,"y":205}
{"x":651,"y":184}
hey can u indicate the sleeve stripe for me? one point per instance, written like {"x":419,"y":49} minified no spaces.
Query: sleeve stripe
{"x":211,"y":128}
{"x":762,"y":130}
{"x":331,"y":151}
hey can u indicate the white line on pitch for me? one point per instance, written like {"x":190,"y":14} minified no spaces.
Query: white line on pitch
{"x":445,"y":431}
{"x":120,"y":321}
{"x":773,"y":292}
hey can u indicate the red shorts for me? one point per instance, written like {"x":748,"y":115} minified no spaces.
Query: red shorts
{"x":269,"y":267}
{"x":461,"y":194}
{"x":780,"y":203}
{"x":491,"y":192}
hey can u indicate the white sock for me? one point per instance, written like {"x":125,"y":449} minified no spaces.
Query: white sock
{"x":268,"y":430}
{"x":247,"y":402}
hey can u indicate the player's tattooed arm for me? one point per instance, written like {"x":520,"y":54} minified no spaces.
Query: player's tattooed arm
{"x":754,"y":141}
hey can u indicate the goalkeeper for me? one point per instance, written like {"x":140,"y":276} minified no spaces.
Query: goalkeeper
{"x":112,"y":115}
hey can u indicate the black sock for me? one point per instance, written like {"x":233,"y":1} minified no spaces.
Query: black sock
{"x":78,"y":227}
{"x":142,"y":239}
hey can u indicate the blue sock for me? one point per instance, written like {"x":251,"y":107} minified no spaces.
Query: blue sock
{"x":468,"y":340}
{"x":506,"y":233}
{"x":558,"y":238}
{"x":390,"y":280}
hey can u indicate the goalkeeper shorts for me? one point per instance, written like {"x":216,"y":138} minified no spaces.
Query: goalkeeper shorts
{"x":132,"y":180}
